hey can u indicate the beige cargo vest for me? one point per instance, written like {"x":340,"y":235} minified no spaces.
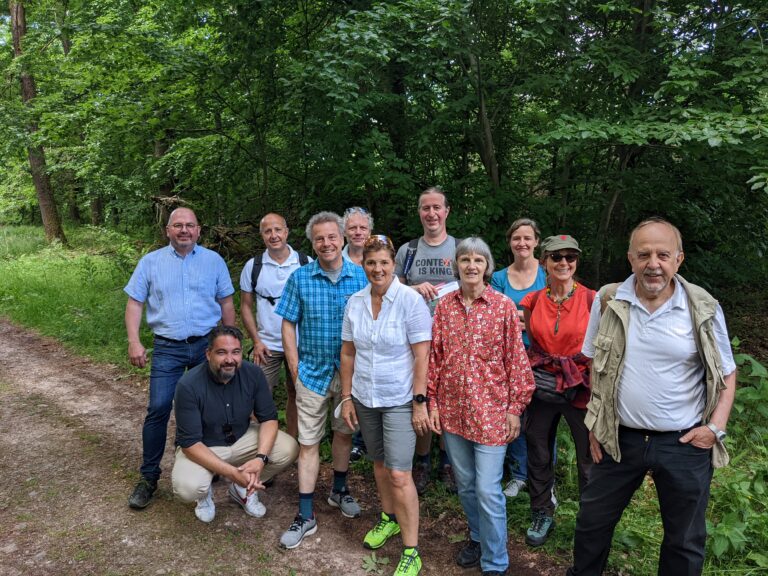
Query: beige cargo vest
{"x":602,"y":413}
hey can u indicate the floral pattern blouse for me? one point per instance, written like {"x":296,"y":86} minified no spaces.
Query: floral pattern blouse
{"x":478,"y":367}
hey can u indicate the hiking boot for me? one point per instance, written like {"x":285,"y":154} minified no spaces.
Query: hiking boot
{"x":299,"y":528}
{"x":250,"y":504}
{"x":410,"y":563}
{"x":206,"y":509}
{"x":514,"y":487}
{"x":541,"y":526}
{"x":469,"y":556}
{"x":142,"y":494}
{"x":379,"y":534}
{"x":357,"y":453}
{"x":344,"y":502}
{"x":421,"y":473}
{"x":446,"y":477}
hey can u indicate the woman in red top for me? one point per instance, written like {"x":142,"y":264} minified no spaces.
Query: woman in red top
{"x":479,"y":382}
{"x":556,"y":320}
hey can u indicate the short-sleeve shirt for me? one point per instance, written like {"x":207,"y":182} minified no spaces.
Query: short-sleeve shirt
{"x":433,"y":264}
{"x":571,"y":321}
{"x":500,"y":283}
{"x":316,"y":305}
{"x":383,"y":375}
{"x":270,"y":284}
{"x":203,"y":406}
{"x":181,"y":293}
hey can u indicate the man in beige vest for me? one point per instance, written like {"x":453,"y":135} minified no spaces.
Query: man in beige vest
{"x":663,"y":383}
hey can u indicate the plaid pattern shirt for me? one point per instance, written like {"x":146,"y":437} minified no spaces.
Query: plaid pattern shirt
{"x":316,"y":305}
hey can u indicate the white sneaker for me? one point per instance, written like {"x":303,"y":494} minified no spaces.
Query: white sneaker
{"x":250,"y":504}
{"x":206,"y":509}
{"x":513,"y":487}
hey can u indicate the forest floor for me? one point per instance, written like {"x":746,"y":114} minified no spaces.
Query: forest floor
{"x":70,"y":445}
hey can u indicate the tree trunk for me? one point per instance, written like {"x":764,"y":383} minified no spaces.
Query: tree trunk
{"x":97,"y":210}
{"x":487,"y":148}
{"x":40,"y":179}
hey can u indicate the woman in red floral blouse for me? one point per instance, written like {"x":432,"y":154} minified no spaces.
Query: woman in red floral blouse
{"x":479,"y":383}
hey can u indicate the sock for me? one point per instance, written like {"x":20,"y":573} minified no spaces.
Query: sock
{"x":444,"y":460}
{"x":392,"y":517}
{"x":305,"y":504}
{"x":422,"y":458}
{"x":339,"y":481}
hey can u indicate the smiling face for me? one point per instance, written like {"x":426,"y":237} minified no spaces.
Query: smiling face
{"x":655,"y":258}
{"x":274,"y":232}
{"x":224,"y":357}
{"x":357,"y":230}
{"x":472,"y":268}
{"x":433,"y":213}
{"x":327,"y":243}
{"x":380,"y":269}
{"x":561,"y":272}
{"x":522,"y":242}
{"x":183,"y":230}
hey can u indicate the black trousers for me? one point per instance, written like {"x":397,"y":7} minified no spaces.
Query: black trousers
{"x":682,"y":474}
{"x":541,"y":419}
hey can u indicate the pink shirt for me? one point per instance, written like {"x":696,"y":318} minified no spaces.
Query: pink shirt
{"x":478,"y":367}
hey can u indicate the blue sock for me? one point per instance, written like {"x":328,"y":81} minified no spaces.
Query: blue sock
{"x":305,"y":504}
{"x":444,"y":458}
{"x":339,"y":481}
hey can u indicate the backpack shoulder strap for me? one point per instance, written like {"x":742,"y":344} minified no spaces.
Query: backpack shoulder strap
{"x":257,"y":265}
{"x":303,"y":259}
{"x":607,"y":293}
{"x":410,"y":255}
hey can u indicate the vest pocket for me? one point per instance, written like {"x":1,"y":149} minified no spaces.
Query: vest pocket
{"x":602,"y":352}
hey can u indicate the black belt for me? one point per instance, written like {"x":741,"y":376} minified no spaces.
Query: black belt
{"x":656,"y":432}
{"x":188,"y":340}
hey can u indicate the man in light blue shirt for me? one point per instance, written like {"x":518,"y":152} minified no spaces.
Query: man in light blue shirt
{"x":187,"y":290}
{"x":312,"y":307}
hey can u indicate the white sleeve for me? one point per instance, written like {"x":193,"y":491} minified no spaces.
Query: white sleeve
{"x":723,"y":342}
{"x":245,"y":277}
{"x":588,"y":348}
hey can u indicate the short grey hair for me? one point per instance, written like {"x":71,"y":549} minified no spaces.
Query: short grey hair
{"x":474,"y":245}
{"x":322,"y":218}
{"x":349,"y":212}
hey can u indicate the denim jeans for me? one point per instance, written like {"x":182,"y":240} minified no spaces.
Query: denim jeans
{"x":169,"y":362}
{"x":478,"y":469}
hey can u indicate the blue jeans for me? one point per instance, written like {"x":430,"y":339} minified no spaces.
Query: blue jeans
{"x":169,"y":362}
{"x":478,"y":469}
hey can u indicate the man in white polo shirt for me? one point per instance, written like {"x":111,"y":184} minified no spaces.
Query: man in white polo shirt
{"x":261,"y":283}
{"x":663,"y":383}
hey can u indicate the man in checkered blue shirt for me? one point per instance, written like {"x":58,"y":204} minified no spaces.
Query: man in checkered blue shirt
{"x":312,"y":308}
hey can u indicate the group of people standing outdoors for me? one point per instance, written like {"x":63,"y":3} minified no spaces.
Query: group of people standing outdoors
{"x":429,"y":340}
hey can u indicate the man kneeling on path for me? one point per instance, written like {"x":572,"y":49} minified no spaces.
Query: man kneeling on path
{"x":215,"y":435}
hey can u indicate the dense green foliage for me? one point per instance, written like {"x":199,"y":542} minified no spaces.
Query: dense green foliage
{"x":76,"y":296}
{"x":587,"y":116}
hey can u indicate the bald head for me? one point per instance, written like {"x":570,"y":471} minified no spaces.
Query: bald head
{"x":183,"y":230}
{"x":274,"y":233}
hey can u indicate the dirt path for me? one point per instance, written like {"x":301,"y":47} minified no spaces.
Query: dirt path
{"x":69,"y":449}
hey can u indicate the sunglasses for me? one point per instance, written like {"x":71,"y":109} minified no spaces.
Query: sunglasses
{"x":377,"y":239}
{"x":355,"y":210}
{"x":229,"y":435}
{"x":570,"y":258}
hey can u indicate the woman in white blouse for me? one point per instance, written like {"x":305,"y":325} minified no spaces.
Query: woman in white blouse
{"x":385,"y":336}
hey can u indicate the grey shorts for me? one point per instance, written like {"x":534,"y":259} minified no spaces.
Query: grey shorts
{"x":388,"y":434}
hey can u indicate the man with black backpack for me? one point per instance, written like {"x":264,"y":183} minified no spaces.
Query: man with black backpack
{"x":261,"y":283}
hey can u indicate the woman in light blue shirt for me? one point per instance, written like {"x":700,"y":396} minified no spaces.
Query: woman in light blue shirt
{"x":524,"y":275}
{"x":386,"y":335}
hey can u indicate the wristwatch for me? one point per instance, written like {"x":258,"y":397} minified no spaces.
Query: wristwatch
{"x":719,"y":434}
{"x":420,"y":398}
{"x":263,"y":457}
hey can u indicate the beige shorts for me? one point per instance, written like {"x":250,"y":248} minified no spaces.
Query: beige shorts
{"x":313,"y":412}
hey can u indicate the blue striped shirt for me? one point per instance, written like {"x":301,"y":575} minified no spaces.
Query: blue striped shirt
{"x":316,"y":305}
{"x":181,"y":294}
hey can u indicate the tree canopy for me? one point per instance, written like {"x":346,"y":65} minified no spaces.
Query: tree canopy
{"x":587,"y":116}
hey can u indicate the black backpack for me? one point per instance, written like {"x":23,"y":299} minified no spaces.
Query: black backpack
{"x":258,"y":264}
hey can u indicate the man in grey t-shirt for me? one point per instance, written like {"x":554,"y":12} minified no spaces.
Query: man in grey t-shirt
{"x":425,"y":269}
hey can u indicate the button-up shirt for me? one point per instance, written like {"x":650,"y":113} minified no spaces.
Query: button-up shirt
{"x":316,"y":305}
{"x":383,"y":375}
{"x":181,"y":293}
{"x":478,"y":367}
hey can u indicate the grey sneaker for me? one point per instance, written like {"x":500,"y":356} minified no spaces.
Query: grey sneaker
{"x":206,"y":509}
{"x":251,"y":504}
{"x":541,"y":525}
{"x":299,"y":528}
{"x":344,"y":502}
{"x":514,"y":487}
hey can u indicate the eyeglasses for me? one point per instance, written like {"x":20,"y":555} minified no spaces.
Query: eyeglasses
{"x":355,"y":210}
{"x":570,"y":258}
{"x":178,"y":226}
{"x":377,"y":239}
{"x":229,"y":435}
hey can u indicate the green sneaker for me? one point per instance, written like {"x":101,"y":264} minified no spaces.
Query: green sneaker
{"x":379,"y":534}
{"x":410,"y":563}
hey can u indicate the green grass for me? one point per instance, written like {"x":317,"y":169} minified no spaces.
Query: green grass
{"x":18,"y":240}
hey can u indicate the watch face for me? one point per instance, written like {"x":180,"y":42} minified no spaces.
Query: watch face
{"x":420,"y":398}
